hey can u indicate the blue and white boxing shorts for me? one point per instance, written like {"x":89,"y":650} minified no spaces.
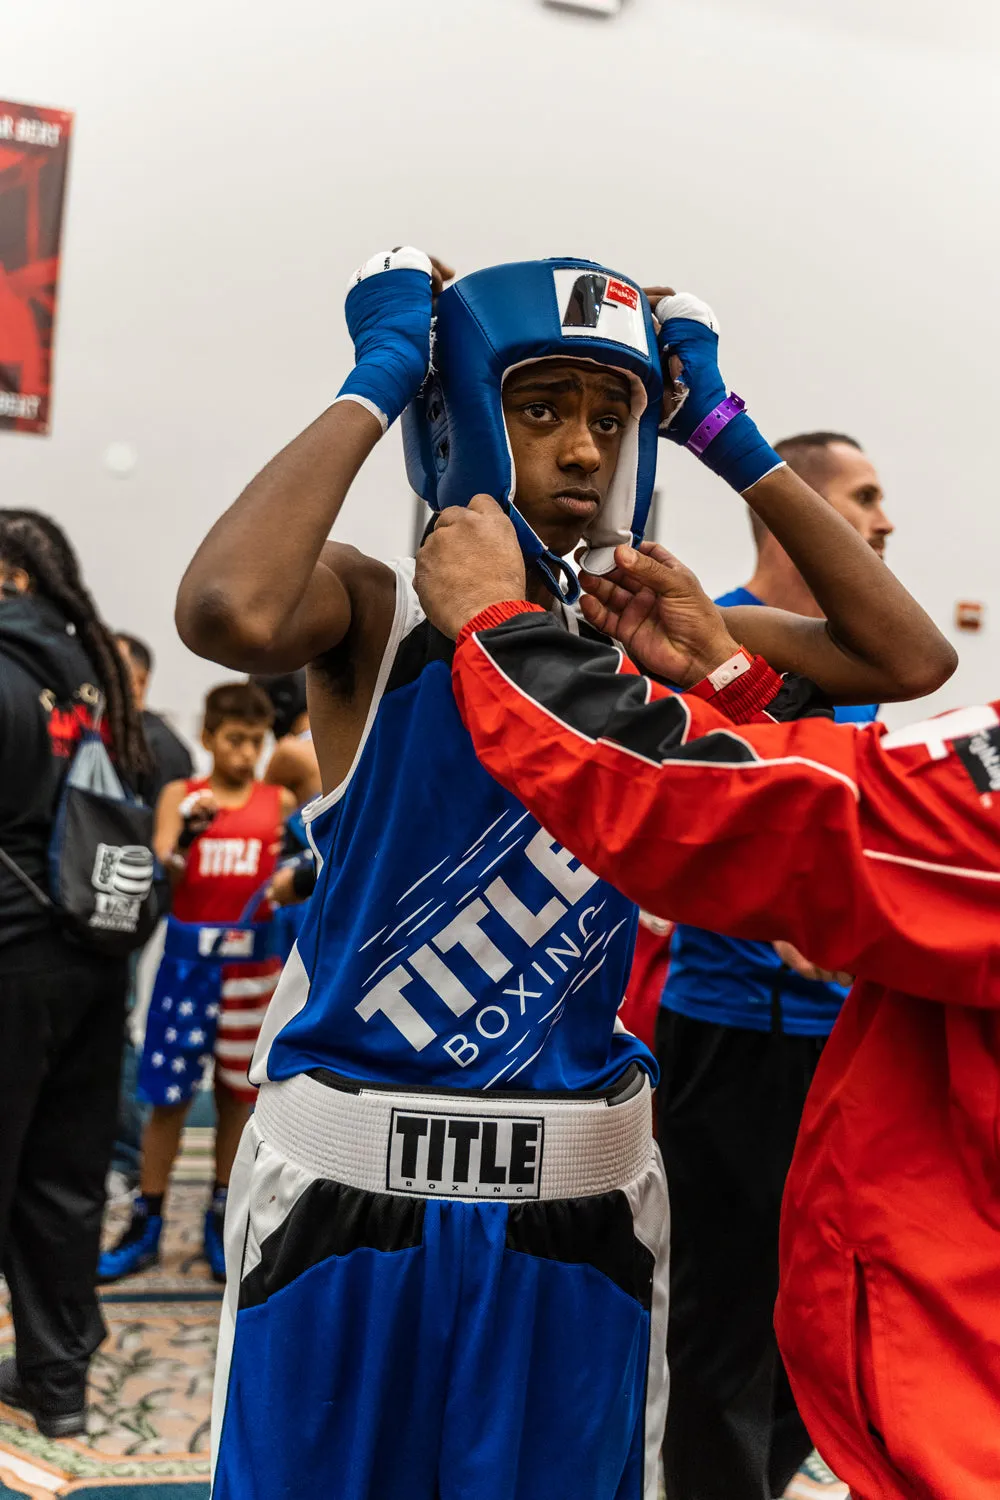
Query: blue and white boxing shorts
{"x":435,"y":1296}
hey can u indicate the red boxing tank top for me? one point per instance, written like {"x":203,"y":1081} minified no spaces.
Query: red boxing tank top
{"x":235,"y":855}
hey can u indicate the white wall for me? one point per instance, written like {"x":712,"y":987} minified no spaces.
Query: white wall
{"x":824,"y":171}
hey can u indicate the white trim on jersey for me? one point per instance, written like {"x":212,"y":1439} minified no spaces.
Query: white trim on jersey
{"x":406,"y":616}
{"x":292,"y":991}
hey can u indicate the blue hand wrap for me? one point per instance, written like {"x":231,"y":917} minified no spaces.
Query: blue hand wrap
{"x":738,"y":454}
{"x":389,"y":319}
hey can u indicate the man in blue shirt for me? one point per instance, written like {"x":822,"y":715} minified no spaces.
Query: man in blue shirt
{"x":740,"y":1032}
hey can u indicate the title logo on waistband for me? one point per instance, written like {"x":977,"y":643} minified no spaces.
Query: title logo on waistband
{"x":464,"y":1156}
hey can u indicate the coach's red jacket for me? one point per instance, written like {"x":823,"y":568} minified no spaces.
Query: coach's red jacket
{"x":873,"y":852}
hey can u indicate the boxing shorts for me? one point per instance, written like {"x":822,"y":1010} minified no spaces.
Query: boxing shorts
{"x":442,"y":1295}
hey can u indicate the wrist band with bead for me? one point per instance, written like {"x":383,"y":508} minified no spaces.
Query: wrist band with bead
{"x":747,"y":695}
{"x":723,"y":675}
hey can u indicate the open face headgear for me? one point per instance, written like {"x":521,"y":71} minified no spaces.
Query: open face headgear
{"x":498,"y":320}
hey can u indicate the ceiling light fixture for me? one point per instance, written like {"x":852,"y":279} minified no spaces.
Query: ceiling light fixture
{"x":588,"y":7}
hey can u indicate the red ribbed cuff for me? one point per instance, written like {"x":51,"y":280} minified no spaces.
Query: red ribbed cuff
{"x":495,"y":614}
{"x":750,"y":694}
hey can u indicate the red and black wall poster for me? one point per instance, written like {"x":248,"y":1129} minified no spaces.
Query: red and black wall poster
{"x":34,"y":151}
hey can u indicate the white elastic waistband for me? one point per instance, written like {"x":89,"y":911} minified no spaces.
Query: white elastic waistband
{"x":466,"y":1147}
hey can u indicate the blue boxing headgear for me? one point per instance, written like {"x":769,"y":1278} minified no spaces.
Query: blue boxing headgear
{"x":493,"y":321}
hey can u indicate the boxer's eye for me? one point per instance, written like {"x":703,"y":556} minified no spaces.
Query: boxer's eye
{"x":539,"y":411}
{"x":609,"y":425}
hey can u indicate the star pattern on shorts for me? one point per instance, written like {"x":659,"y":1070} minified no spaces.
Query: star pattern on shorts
{"x":196,"y":1036}
{"x":168,"y":1004}
{"x":179,"y":1065}
{"x":173,"y":1094}
{"x":185,"y":1008}
{"x":211,"y":1012}
{"x":157,"y":1059}
{"x":205,"y":1059}
{"x":170,"y":1034}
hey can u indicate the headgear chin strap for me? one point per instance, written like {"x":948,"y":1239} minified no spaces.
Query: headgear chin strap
{"x":493,"y":321}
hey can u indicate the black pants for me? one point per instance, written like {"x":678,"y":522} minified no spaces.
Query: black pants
{"x":729,"y":1105}
{"x":61,"y":1017}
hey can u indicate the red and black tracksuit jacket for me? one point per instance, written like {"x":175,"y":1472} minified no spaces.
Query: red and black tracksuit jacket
{"x":872,"y":852}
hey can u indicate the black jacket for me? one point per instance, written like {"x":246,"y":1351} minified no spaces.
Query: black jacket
{"x":171,"y":757}
{"x":42,"y":669}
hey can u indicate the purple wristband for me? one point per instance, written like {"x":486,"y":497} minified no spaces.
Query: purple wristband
{"x":714,"y":423}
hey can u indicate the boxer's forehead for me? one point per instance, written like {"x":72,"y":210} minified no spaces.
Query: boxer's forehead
{"x":556,"y":375}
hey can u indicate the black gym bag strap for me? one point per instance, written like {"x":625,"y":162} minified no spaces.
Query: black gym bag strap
{"x":26,"y":881}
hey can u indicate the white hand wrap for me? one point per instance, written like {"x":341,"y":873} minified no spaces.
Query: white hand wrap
{"x":686,"y":305}
{"x":405,"y":258}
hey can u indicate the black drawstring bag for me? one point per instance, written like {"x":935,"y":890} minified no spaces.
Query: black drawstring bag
{"x":106,"y":886}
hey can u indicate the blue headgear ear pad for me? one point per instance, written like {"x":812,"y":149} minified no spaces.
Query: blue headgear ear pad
{"x":488,"y":323}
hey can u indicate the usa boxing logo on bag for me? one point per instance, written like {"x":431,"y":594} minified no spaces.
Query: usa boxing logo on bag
{"x":122,"y":879}
{"x":465,"y":1156}
{"x":592,"y":305}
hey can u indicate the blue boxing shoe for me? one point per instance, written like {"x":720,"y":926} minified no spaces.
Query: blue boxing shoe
{"x":138,"y":1248}
{"x":214,"y":1249}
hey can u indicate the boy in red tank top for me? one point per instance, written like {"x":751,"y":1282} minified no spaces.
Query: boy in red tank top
{"x":219,"y":837}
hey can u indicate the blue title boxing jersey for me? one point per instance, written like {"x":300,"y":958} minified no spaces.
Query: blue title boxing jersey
{"x":732,"y":982}
{"x":450,"y":942}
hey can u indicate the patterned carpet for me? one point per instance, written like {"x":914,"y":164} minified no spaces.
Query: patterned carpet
{"x":150,"y":1383}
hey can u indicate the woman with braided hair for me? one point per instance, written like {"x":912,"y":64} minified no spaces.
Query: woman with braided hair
{"x":62,"y":1006}
{"x":38,"y":558}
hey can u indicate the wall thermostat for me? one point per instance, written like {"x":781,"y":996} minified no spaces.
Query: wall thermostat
{"x":969,"y":614}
